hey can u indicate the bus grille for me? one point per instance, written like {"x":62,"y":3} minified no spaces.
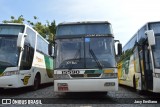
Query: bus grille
{"x":84,"y":75}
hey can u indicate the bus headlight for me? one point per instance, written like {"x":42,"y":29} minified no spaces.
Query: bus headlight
{"x":9,"y":73}
{"x":61,"y":76}
{"x":157,"y":75}
{"x":109,"y":75}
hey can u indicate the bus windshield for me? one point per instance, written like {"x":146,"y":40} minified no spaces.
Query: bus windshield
{"x":8,"y":51}
{"x":84,"y":29}
{"x":98,"y":53}
{"x":8,"y":44}
{"x":11,"y":30}
{"x":69,"y":52}
{"x":156,"y":51}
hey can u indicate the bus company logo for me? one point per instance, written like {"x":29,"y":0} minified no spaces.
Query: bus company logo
{"x":39,"y":59}
{"x":6,"y":101}
{"x":85,"y":75}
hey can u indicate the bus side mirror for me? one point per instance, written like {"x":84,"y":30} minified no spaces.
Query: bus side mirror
{"x":20,"y":40}
{"x":119,"y":46}
{"x":151,"y":37}
{"x":50,"y":49}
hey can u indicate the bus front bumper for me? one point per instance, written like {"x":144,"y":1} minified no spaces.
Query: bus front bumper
{"x":86,"y":85}
{"x":9,"y":81}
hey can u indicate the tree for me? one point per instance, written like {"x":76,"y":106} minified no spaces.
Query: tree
{"x":47,"y":30}
{"x":52,"y":30}
{"x":20,"y":19}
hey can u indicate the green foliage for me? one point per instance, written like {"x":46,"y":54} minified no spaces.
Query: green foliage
{"x":47,"y":30}
{"x":52,"y":30}
{"x":20,"y":19}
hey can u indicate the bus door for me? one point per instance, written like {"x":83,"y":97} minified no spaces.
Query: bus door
{"x":142,"y":66}
{"x":26,"y":64}
{"x":137,"y":79}
{"x":146,"y":65}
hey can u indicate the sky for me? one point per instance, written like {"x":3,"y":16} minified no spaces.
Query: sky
{"x":126,"y":16}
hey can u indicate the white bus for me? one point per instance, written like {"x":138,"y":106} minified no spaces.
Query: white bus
{"x":24,"y":57}
{"x":85,"y":58}
{"x":139,"y":65}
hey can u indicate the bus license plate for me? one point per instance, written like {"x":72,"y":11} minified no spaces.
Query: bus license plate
{"x":61,"y":88}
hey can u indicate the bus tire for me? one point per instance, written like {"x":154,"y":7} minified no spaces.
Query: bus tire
{"x":36,"y":83}
{"x":134,"y":83}
{"x":134,"y":86}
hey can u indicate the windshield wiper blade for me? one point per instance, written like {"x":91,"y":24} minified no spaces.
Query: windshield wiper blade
{"x":96,"y":59}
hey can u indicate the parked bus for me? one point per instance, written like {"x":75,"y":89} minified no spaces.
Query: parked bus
{"x":139,"y":65}
{"x":85,"y":58}
{"x":24,"y":57}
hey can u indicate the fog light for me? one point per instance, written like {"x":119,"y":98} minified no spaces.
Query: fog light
{"x":109,"y":75}
{"x":157,"y":75}
{"x":109,"y":84}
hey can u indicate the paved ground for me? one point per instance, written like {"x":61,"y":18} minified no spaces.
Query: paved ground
{"x":125,"y":97}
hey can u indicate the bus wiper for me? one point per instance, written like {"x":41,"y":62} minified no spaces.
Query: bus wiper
{"x":96,"y":59}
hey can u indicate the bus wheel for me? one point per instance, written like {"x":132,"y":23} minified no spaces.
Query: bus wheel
{"x":36,"y":82}
{"x":134,"y":83}
{"x":134,"y":86}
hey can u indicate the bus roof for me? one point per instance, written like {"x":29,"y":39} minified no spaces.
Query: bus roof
{"x":146,"y":24}
{"x":83,"y":22}
{"x":11,"y":24}
{"x":21,"y":24}
{"x":16,"y":24}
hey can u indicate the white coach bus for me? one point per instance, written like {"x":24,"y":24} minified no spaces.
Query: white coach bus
{"x":85,"y":58}
{"x":139,"y":65}
{"x":25,"y":59}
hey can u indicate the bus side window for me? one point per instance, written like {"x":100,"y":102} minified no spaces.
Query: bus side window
{"x":27,"y":58}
